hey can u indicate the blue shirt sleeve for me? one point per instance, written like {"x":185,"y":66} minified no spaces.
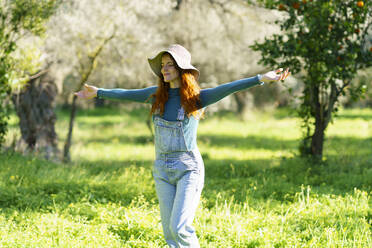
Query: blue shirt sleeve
{"x":213,"y":95}
{"x":137,"y":95}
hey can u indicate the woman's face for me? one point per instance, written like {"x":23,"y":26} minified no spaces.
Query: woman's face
{"x":168,"y":68}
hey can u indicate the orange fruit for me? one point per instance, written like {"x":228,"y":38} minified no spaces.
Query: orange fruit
{"x":370,"y":49}
{"x":296,"y":5}
{"x":360,"y":4}
{"x":282,"y":7}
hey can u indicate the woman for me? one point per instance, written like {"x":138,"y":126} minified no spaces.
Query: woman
{"x":177,"y":105}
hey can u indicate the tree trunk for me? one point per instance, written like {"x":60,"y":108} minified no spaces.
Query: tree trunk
{"x":66,"y":150}
{"x":317,"y":139}
{"x":322,"y":119}
{"x":99,"y":103}
{"x":34,"y":107}
{"x":244,"y":102}
{"x":4,"y":110}
{"x":323,"y":115}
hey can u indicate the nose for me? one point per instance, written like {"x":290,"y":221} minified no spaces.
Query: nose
{"x":164,"y":68}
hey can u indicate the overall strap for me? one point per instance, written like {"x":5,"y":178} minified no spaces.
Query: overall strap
{"x":181,"y":114}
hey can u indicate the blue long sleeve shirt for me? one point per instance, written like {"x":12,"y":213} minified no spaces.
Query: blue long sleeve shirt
{"x":207,"y":96}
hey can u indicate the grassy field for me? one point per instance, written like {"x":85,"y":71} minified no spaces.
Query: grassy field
{"x":258,"y":192}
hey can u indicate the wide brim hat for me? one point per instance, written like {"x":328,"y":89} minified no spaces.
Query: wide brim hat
{"x":179,"y":54}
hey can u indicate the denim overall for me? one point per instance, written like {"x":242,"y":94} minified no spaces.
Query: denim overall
{"x":179,"y":178}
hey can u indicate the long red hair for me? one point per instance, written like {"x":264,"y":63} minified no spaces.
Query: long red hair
{"x":189,"y":93}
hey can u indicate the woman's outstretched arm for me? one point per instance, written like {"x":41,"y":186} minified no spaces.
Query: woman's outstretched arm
{"x":213,"y":95}
{"x":137,"y":95}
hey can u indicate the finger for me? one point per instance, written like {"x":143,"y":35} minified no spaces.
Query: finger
{"x":284,"y":76}
{"x":287,"y":75}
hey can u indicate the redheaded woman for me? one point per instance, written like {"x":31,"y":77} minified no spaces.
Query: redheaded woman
{"x":177,"y":105}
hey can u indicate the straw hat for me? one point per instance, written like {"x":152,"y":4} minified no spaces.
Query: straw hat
{"x":179,"y":54}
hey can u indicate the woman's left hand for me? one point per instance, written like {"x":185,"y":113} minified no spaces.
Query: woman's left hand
{"x":274,"y":76}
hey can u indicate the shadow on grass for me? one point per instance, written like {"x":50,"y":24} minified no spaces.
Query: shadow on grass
{"x":281,"y":179}
{"x":352,"y":116}
{"x":29,"y":184}
{"x":47,"y":195}
{"x":348,"y":146}
{"x":247,"y":142}
{"x":340,"y":145}
{"x":42,"y":185}
{"x":136,"y":113}
{"x":107,"y":123}
{"x":239,"y":142}
{"x":254,"y":180}
{"x":124,"y":139}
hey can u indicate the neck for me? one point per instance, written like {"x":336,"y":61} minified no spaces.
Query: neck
{"x":176,"y":83}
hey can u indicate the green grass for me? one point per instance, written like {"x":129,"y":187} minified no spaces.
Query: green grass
{"x":258,"y":192}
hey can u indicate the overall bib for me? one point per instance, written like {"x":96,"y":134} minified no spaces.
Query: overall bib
{"x":179,"y":178}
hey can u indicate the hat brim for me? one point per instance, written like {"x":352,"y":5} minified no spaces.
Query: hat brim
{"x":155,"y":64}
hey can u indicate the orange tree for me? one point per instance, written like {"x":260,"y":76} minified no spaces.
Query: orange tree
{"x":18,"y":18}
{"x":328,"y":41}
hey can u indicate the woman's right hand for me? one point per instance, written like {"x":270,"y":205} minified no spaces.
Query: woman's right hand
{"x":88,"y":92}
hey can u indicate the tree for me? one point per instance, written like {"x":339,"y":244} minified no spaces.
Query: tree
{"x":18,"y":18}
{"x":102,"y":43}
{"x":327,"y":41}
{"x":34,"y":106}
{"x":85,"y":71}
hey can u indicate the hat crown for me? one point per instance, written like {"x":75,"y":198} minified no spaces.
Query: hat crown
{"x":180,"y":51}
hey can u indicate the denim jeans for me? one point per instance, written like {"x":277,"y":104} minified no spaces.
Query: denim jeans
{"x":179,"y":180}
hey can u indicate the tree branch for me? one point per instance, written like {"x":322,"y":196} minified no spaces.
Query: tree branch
{"x":38,"y":74}
{"x":92,"y":59}
{"x":332,"y":100}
